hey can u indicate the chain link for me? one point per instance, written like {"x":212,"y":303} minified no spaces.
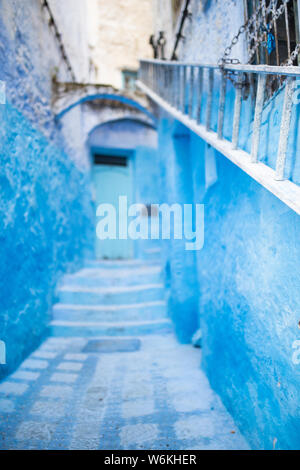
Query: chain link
{"x":294,"y":55}
{"x":257,"y":19}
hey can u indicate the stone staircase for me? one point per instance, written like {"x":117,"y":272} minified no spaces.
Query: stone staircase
{"x":112,"y":298}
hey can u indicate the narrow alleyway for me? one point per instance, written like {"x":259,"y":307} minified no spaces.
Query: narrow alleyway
{"x":111,"y":375}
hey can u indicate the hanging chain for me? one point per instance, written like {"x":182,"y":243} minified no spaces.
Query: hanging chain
{"x":258,"y":22}
{"x":294,"y":55}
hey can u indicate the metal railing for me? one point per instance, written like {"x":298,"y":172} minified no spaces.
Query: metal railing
{"x":181,"y":86}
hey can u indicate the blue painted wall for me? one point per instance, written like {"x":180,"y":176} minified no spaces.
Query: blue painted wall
{"x":46,"y":211}
{"x":246,"y":281}
{"x":45,"y":229}
{"x":249,"y":306}
{"x":176,"y":188}
{"x":248,"y":271}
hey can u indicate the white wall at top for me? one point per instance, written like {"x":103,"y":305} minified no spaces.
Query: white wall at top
{"x":72,"y":21}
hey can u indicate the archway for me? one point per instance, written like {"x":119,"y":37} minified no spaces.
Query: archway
{"x":124,"y":155}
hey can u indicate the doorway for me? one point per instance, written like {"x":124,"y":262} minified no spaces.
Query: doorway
{"x":112,"y":177}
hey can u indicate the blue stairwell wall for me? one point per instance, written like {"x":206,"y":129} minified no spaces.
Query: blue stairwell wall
{"x":248,"y":287}
{"x":176,"y":188}
{"x":248,"y":271}
{"x":46,"y":212}
{"x":249,"y":306}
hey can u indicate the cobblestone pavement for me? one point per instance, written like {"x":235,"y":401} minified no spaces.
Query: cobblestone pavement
{"x":156,"y":397}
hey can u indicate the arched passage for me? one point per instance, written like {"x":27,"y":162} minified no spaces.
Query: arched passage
{"x":119,"y":139}
{"x":64,"y":104}
{"x":125,"y":163}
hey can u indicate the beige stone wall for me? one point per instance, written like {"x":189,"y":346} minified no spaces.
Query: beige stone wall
{"x":119,"y":32}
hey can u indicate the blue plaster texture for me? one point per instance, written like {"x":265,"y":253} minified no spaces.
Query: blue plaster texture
{"x":213,"y":25}
{"x":176,"y":188}
{"x":247,"y":285}
{"x":249,"y":304}
{"x":46,"y":221}
{"x":45,"y":230}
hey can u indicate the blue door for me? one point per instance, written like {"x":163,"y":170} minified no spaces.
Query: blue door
{"x":112,"y":179}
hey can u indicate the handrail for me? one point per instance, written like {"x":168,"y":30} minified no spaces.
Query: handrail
{"x":179,"y":87}
{"x":246,"y":68}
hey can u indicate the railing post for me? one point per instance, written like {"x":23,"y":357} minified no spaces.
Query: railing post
{"x":173,"y":85}
{"x":260,"y":96}
{"x":161,"y":80}
{"x":200,"y":93}
{"x":284,"y":129}
{"x":237,"y":114}
{"x":169,"y":85}
{"x":222,"y":106}
{"x":178,"y":88}
{"x":209,"y":97}
{"x":191,"y":92}
{"x":152,"y":76}
{"x":164,"y":74}
{"x":166,"y":90}
{"x":184,"y":88}
{"x":187,"y":90}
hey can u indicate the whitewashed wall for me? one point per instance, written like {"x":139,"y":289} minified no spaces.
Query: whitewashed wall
{"x":208,"y":32}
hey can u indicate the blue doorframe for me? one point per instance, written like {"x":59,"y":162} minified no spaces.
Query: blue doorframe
{"x":110,"y":182}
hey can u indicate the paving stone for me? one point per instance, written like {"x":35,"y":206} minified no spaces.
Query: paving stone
{"x":34,"y":364}
{"x":76,"y":357}
{"x":138,"y":408}
{"x":64,"y":378}
{"x":35,"y":431}
{"x":25,"y":375}
{"x":13,"y":388}
{"x":45,"y":355}
{"x":72,"y":366}
{"x":48,"y":409}
{"x":6,"y":406}
{"x":193,"y":427}
{"x":138,"y":434}
{"x":136,"y":390}
{"x":56,"y":391}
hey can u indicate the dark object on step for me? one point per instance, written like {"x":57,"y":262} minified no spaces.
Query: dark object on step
{"x":105,"y":346}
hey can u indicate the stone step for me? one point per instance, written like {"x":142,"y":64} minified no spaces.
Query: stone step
{"x":153,"y":254}
{"x":96,"y":329}
{"x":123,"y":264}
{"x":96,"y":277}
{"x":110,"y":313}
{"x":81,"y":295}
